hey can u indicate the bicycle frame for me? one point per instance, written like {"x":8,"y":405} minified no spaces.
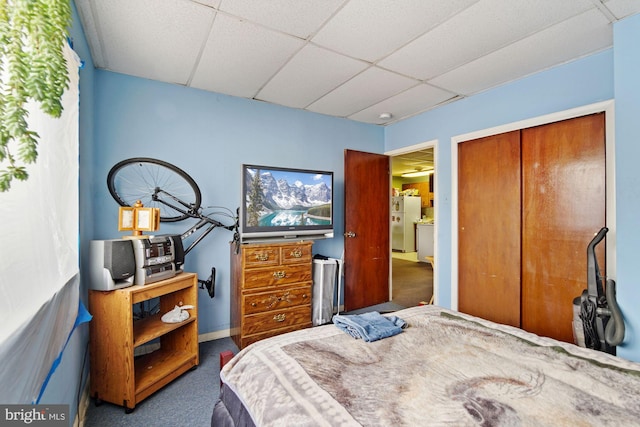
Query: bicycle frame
{"x":190,"y":212}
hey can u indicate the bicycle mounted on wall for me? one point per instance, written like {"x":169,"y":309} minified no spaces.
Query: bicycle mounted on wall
{"x":159,"y":184}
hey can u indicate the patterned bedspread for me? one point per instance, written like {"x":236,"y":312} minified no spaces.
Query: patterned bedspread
{"x":446,"y":368}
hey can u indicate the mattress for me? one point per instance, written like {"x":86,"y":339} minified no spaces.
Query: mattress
{"x":445,"y":368}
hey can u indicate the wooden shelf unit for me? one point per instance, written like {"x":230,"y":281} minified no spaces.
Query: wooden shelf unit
{"x":270,"y":290}
{"x":117,"y":375}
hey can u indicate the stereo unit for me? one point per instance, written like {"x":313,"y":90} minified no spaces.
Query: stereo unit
{"x":154,"y":258}
{"x":112,"y":264}
{"x":178,"y":251}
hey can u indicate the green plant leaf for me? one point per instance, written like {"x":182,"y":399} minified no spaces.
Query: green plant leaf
{"x":33,"y":67}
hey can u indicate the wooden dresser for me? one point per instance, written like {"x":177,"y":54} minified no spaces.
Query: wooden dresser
{"x":270,"y":290}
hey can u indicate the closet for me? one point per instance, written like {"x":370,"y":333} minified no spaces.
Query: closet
{"x":529,"y":203}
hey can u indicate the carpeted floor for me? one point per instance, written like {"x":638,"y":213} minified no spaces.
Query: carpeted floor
{"x":412,"y":282}
{"x":187,"y":401}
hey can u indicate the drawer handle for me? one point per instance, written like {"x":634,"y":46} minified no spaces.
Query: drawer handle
{"x":297,"y":253}
{"x":275,"y":300}
{"x":253,"y":304}
{"x":279,"y":274}
{"x":304,"y":296}
{"x":279,"y":317}
{"x":262,"y":257}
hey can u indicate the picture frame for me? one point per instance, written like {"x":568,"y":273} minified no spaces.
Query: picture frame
{"x":126,"y":218}
{"x":147,"y":219}
{"x":138,"y":219}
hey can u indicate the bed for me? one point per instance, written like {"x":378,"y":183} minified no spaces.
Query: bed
{"x":445,"y":368}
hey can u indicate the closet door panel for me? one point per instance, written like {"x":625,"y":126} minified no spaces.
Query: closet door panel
{"x":489,"y":228}
{"x":563,"y":198}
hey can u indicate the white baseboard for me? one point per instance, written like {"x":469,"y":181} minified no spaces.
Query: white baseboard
{"x":214,"y":335}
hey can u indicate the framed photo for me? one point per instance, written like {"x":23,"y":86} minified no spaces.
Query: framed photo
{"x":126,"y":218}
{"x":147,"y":219}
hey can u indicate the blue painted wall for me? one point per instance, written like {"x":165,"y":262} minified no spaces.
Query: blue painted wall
{"x":582,"y":82}
{"x":627,"y":95}
{"x":210,"y":136}
{"x":578,"y":83}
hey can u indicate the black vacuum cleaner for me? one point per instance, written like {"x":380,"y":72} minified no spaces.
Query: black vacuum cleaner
{"x":598,"y":322}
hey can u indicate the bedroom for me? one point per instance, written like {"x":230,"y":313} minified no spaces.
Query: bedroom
{"x":184,"y":124}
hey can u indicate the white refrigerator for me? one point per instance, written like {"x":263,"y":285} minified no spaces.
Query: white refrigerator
{"x":405,"y":212}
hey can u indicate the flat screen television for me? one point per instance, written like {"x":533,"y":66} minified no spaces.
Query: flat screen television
{"x":284,"y":203}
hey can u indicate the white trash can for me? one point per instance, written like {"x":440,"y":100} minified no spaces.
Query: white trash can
{"x":325,"y":275}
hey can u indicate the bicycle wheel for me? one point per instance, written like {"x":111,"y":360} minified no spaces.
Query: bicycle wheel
{"x":157,"y":184}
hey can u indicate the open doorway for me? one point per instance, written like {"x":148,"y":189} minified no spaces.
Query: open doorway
{"x":412,"y":225}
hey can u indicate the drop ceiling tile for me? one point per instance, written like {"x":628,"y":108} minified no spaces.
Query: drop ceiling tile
{"x":623,"y":8}
{"x":311,"y":73}
{"x":212,"y":3}
{"x":162,"y":41}
{"x":410,"y":102}
{"x":240,"y":57}
{"x":368,"y":88}
{"x":478,"y":30}
{"x":301,"y":18}
{"x":586,"y":33}
{"x":370,"y":30}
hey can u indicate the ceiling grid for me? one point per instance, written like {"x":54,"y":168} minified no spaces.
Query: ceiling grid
{"x":353,"y":59}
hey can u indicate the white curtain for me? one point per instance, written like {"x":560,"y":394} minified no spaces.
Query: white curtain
{"x":39,"y":250}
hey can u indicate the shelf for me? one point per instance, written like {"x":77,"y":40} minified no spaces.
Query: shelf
{"x":117,"y":375}
{"x":152,"y":327}
{"x":160,"y":367}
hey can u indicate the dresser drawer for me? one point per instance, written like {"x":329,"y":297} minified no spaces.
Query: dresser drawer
{"x":276,"y":300}
{"x":250,"y":339}
{"x":276,"y":319}
{"x":295,"y":254}
{"x":275,"y":276}
{"x":261,"y":256}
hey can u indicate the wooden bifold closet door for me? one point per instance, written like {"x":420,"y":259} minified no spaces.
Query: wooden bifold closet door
{"x":530,"y":201}
{"x":489,"y":228}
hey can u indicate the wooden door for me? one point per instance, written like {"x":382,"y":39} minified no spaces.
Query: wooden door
{"x":563,"y":167}
{"x":366,"y":242}
{"x":489,"y":228}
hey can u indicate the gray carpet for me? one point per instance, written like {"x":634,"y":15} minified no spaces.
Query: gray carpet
{"x":187,"y":401}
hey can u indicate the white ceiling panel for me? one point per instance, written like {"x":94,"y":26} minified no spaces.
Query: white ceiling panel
{"x":410,"y":102}
{"x":587,"y":33}
{"x":369,"y":30}
{"x":256,"y":55}
{"x":301,"y":18}
{"x":622,"y":8}
{"x":368,"y":88}
{"x":482,"y":28}
{"x":164,"y":48}
{"x":210,"y":3}
{"x":346,"y":58}
{"x":313,"y":72}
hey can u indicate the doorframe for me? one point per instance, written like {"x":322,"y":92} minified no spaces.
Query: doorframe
{"x":608,"y":108}
{"x":417,"y":147}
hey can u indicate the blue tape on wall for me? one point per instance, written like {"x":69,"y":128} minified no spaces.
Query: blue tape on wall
{"x":82,"y":317}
